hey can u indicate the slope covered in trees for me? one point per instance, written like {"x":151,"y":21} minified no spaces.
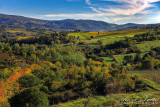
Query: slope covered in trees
{"x":44,"y":70}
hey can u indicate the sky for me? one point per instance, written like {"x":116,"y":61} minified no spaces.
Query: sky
{"x":111,"y":11}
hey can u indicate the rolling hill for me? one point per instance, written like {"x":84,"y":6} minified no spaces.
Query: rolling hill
{"x":62,"y":25}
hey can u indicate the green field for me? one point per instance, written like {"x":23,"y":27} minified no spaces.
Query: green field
{"x":111,"y":40}
{"x":120,"y":57}
{"x":81,"y":37}
{"x":89,"y":34}
{"x":90,"y":38}
{"x":108,"y":60}
{"x":146,"y":46}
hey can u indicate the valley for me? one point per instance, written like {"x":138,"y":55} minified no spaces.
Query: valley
{"x":41,"y":67}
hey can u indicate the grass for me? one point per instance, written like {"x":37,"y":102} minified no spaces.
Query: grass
{"x":113,"y":100}
{"x":89,"y":34}
{"x":111,"y":40}
{"x":151,"y":83}
{"x":108,"y":60}
{"x":106,"y":37}
{"x":130,"y":33}
{"x":120,"y":57}
{"x":146,"y":46}
{"x":81,"y":37}
{"x":149,"y":76}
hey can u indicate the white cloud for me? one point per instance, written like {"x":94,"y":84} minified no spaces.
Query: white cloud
{"x":128,"y":9}
{"x":78,"y":16}
{"x":122,"y":11}
{"x":156,"y":17}
{"x":126,"y":18}
{"x":94,"y":9}
{"x":132,"y":7}
{"x":72,"y":15}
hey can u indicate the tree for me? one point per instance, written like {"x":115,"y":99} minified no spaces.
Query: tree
{"x":32,"y":49}
{"x":157,"y":50}
{"x":24,"y":51}
{"x":148,"y":64}
{"x":34,"y":58}
{"x":147,"y":57}
{"x":29,"y":81}
{"x":137,"y":58}
{"x":55,"y":85}
{"x":31,"y":97}
{"x":128,"y":59}
{"x":152,"y":53}
{"x":1,"y":46}
{"x":8,"y":47}
{"x":16,"y":48}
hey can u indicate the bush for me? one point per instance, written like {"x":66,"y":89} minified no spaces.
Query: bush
{"x":148,"y":64}
{"x":31,"y":97}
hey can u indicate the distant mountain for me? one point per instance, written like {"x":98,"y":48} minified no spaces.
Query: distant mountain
{"x":61,"y":25}
{"x":140,"y":26}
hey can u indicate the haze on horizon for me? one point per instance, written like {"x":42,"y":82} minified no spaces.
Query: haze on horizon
{"x":112,"y":11}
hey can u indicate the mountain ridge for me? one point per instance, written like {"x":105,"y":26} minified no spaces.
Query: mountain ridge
{"x":61,"y":25}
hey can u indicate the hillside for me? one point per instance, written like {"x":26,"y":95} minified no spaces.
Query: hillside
{"x":71,"y":69}
{"x":42,"y":68}
{"x":61,"y":25}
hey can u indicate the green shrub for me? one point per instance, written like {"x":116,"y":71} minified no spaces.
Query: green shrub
{"x":30,"y":97}
{"x":29,"y":81}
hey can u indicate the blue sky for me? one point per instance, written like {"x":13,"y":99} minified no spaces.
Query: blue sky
{"x":112,"y":11}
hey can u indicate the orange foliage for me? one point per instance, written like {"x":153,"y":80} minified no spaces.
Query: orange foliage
{"x":10,"y":86}
{"x":27,"y":70}
{"x":34,"y":66}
